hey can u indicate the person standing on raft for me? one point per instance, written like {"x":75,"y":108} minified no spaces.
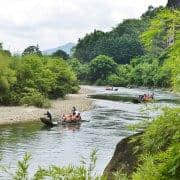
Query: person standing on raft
{"x":48,"y":114}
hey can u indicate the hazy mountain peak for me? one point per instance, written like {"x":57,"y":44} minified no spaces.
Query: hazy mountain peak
{"x":66,"y":47}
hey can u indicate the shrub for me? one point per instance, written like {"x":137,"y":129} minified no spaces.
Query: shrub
{"x":33,"y":97}
{"x":101,"y":67}
{"x":32,"y":79}
{"x":161,"y":158}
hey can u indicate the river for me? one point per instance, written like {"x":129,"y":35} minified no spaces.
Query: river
{"x":64,"y":145}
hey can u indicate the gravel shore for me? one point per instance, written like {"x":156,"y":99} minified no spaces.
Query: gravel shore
{"x":16,"y":114}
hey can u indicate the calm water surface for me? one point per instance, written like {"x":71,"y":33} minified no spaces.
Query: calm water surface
{"x":66,"y":145}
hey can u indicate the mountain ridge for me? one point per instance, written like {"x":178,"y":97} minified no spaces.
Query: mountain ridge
{"x":66,"y":47}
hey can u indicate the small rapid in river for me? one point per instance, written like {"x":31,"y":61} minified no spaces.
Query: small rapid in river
{"x":64,"y":145}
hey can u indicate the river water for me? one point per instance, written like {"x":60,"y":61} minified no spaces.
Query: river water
{"x":64,"y":145}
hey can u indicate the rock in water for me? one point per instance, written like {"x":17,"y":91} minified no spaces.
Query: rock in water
{"x":125,"y":158}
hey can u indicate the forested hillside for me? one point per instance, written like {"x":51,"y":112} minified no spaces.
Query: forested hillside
{"x":139,"y":47}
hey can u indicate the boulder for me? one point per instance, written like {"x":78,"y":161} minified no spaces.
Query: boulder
{"x":125,"y":158}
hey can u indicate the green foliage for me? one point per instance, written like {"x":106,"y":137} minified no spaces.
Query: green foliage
{"x":142,"y":71}
{"x":4,"y":52}
{"x":155,"y":38}
{"x":121,"y":49}
{"x":164,"y":165}
{"x":84,"y":50}
{"x":120,"y":176}
{"x":7,"y":75}
{"x":159,"y":67}
{"x":101,"y":67}
{"x":145,"y":74}
{"x":22,"y":171}
{"x":151,"y":12}
{"x":32,"y":80}
{"x":122,"y":76}
{"x":172,"y":61}
{"x":132,"y":27}
{"x":81,"y":70}
{"x":1,"y":45}
{"x":173,"y":4}
{"x":150,"y":45}
{"x":82,"y":172}
{"x":61,"y":54}
{"x":161,"y":157}
{"x":33,"y":97}
{"x":122,"y":43}
{"x":65,"y":79}
{"x":32,"y":50}
{"x":163,"y":131}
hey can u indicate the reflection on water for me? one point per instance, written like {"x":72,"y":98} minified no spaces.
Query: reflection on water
{"x":64,"y":145}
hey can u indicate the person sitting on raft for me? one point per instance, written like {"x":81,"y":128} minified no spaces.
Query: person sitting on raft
{"x":146,"y":97}
{"x":71,"y":117}
{"x":74,"y":117}
{"x":141,"y":97}
{"x":74,"y":111}
{"x":151,"y":96}
{"x":67,"y":118}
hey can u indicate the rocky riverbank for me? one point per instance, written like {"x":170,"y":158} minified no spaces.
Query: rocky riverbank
{"x":16,"y":114}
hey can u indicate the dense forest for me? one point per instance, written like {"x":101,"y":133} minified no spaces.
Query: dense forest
{"x":139,"y":49}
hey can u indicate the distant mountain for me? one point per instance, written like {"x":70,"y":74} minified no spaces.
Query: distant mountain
{"x":67,"y":48}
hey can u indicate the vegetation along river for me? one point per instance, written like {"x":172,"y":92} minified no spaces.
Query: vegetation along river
{"x":64,"y":145}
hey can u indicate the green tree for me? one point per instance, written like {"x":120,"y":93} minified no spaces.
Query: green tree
{"x":122,"y":43}
{"x":33,"y":79}
{"x":61,"y":54}
{"x":3,"y":51}
{"x":131,"y":27}
{"x":121,"y":49}
{"x":32,"y":50}
{"x":122,"y":77}
{"x":173,"y":4}
{"x":81,"y":70}
{"x":7,"y":76}
{"x":1,"y":46}
{"x":85,"y":46}
{"x":160,"y":28}
{"x":151,"y":12}
{"x":101,"y":67}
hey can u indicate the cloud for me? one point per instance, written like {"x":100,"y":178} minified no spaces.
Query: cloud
{"x":51,"y":23}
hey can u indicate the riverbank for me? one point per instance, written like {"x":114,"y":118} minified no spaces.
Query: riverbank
{"x":16,"y":114}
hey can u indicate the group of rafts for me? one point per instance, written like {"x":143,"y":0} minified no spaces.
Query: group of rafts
{"x":75,"y":117}
{"x":139,"y":99}
{"x":72,"y":118}
{"x":144,"y":98}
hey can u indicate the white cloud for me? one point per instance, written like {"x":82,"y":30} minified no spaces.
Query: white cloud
{"x":51,"y":23}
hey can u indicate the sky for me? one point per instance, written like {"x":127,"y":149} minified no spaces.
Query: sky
{"x":52,"y":23}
